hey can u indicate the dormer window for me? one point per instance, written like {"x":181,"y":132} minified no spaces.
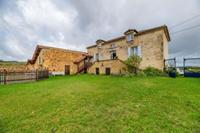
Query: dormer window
{"x":130,"y":34}
{"x":99,"y":43}
{"x":130,"y":37}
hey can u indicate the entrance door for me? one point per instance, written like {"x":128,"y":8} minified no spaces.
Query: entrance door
{"x":107,"y":71}
{"x":67,"y":69}
{"x":97,"y":71}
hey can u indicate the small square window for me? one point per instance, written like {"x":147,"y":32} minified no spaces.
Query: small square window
{"x":129,"y":37}
{"x":113,"y":46}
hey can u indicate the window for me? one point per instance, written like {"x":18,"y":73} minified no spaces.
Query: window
{"x":113,"y":46}
{"x":135,"y":51}
{"x":96,"y":57}
{"x":99,"y":46}
{"x":113,"y":54}
{"x":129,"y":37}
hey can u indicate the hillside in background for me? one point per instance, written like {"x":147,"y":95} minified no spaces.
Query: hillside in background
{"x":11,"y":63}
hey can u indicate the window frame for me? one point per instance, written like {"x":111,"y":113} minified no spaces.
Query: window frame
{"x":130,"y":37}
{"x":111,"y":54}
{"x":136,"y":50}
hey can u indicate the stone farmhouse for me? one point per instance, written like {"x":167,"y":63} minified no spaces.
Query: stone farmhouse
{"x":106,"y":57}
{"x":151,"y":45}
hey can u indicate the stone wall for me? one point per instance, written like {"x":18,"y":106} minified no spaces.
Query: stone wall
{"x":116,"y":66}
{"x":55,"y":60}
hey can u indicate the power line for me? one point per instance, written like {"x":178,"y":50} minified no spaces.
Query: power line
{"x":186,"y":29}
{"x":185,"y":21}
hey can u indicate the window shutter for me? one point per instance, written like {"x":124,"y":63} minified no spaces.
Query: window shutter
{"x":100,"y":56}
{"x":140,"y":51}
{"x":129,"y":52}
{"x":94,"y":57}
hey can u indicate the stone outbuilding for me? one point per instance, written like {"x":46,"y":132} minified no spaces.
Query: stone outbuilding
{"x":58,"y":61}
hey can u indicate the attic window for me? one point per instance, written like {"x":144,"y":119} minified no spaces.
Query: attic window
{"x":130,"y":37}
{"x":99,"y":45}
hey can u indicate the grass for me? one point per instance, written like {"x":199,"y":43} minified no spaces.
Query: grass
{"x":102,"y":104}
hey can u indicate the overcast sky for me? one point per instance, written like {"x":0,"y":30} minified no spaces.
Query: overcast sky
{"x":75,"y":24}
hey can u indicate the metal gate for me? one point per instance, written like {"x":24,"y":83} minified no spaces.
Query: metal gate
{"x":170,"y":67}
{"x":191,"y":67}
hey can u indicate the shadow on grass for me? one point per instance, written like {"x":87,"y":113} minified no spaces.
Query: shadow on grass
{"x":2,"y":127}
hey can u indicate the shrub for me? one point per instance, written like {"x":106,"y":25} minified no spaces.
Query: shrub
{"x":151,"y":71}
{"x":133,"y":63}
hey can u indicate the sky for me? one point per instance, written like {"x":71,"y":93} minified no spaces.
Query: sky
{"x":76,"y":24}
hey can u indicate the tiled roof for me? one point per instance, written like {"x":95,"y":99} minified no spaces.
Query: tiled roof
{"x":164,"y":27}
{"x":40,"y":47}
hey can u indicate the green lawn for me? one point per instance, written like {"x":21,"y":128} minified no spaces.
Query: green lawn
{"x":101,"y":104}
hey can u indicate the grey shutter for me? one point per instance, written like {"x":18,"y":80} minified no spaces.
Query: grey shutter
{"x":94,"y":57}
{"x":140,"y":51}
{"x":100,"y":56}
{"x":129,"y":52}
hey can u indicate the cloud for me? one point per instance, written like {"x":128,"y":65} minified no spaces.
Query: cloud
{"x":30,"y":23}
{"x":75,"y":24}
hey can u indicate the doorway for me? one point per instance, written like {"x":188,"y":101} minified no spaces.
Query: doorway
{"x":97,"y":71}
{"x":107,"y":71}
{"x":67,"y":69}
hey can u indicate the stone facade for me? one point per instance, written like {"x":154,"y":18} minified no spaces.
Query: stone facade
{"x":116,"y":67}
{"x":55,"y":60}
{"x":152,"y":44}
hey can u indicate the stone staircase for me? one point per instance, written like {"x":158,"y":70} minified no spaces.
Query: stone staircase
{"x":83,"y":64}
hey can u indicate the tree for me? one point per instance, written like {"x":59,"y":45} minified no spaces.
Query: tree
{"x":133,"y":64}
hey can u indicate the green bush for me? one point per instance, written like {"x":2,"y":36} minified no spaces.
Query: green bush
{"x":151,"y":71}
{"x":132,"y":64}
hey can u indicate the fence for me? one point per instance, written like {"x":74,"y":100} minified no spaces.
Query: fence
{"x":191,"y":67}
{"x":7,"y":77}
{"x":170,"y":64}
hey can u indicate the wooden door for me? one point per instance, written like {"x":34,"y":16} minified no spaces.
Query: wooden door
{"x":67,"y":69}
{"x":107,"y":71}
